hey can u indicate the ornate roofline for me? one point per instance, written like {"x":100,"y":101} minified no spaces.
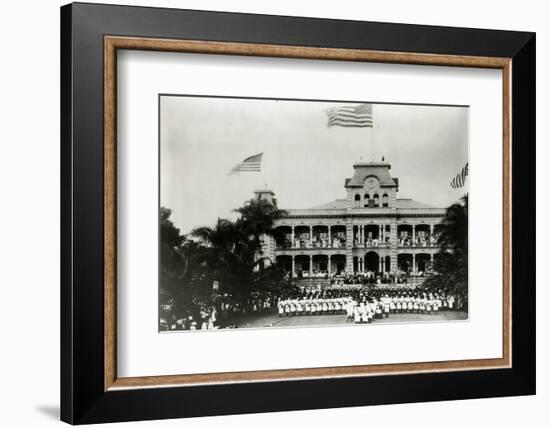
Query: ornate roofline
{"x":440,"y":213}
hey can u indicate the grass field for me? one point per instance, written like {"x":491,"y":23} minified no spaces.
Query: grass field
{"x":263,"y":320}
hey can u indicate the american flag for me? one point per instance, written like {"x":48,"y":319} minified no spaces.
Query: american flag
{"x":250,"y":164}
{"x":460,"y":178}
{"x":359,"y":116}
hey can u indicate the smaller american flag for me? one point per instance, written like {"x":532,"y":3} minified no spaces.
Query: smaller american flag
{"x":359,"y":116}
{"x":250,"y":164}
{"x":460,"y":178}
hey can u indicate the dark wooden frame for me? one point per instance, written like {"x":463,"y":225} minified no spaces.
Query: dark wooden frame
{"x":90,"y":34}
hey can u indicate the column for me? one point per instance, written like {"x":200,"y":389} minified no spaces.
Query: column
{"x":393,"y":246}
{"x":431,"y":234}
{"x":311,"y":236}
{"x":431,"y":261}
{"x":293,"y":261}
{"x":360,"y":263}
{"x":328,"y":262}
{"x":349,"y":247}
{"x":414,"y":264}
{"x":293,"y":241}
{"x":414,"y":234}
{"x":380,"y":264}
{"x":311,"y":265}
{"x":362,"y":234}
{"x":329,"y":237}
{"x":379,"y":233}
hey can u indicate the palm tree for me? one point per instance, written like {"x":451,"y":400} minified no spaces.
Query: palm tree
{"x":451,"y":263}
{"x":232,"y":250}
{"x":219,"y":245}
{"x":223,"y":236}
{"x":258,"y":218}
{"x":170,"y":243}
{"x":454,"y":228}
{"x":180,"y":269}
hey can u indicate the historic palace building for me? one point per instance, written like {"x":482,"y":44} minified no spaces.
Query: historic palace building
{"x":371,"y":230}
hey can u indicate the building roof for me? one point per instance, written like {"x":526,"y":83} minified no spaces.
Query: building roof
{"x":381,"y":170}
{"x":338,"y":204}
{"x":408,"y":203}
{"x":411,"y":203}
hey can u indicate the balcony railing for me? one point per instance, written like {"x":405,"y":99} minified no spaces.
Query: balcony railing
{"x":372,"y":243}
{"x":301,"y":245}
{"x":341,"y":244}
{"x":417,"y":243}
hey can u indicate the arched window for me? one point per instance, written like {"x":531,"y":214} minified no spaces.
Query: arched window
{"x":376,"y":200}
{"x":367,"y":199}
{"x":385,"y":200}
{"x":357,"y":200}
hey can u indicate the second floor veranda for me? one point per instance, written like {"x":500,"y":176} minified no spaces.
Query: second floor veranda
{"x":321,"y":236}
{"x":361,"y":236}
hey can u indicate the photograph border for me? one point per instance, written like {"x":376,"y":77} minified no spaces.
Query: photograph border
{"x":90,"y":390}
{"x":284,"y":99}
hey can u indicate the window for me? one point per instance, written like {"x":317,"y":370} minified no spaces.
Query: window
{"x":357,"y":201}
{"x":385,"y":200}
{"x":367,"y":200}
{"x":376,"y":201}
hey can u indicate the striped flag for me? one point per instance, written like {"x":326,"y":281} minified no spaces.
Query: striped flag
{"x":359,"y":116}
{"x":460,"y":179}
{"x":250,"y":164}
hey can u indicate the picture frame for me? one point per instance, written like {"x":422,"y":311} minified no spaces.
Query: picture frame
{"x":91,"y":391}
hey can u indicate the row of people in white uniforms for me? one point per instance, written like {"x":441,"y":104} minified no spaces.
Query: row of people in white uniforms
{"x":366,"y":312}
{"x":421,"y":303}
{"x":332,"y":306}
{"x":367,"y":308}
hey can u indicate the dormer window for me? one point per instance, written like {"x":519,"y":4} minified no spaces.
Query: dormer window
{"x":376,"y":201}
{"x":357,"y":201}
{"x":385,"y":200}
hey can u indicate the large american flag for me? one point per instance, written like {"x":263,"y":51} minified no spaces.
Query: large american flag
{"x":359,"y":116}
{"x":460,"y":179}
{"x":250,"y":164}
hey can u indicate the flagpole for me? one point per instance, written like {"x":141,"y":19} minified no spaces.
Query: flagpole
{"x":372,"y":143}
{"x":372,"y":135}
{"x":262,"y":172}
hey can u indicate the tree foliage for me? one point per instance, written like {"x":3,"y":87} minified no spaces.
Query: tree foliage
{"x":451,"y":263}
{"x":229,"y":252}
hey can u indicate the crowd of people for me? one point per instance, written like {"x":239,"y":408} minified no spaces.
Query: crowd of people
{"x":360,"y":304}
{"x":367,"y":277}
{"x":316,"y":242}
{"x":340,"y":242}
{"x":372,"y":278}
{"x":423,"y":241}
{"x":370,"y":242}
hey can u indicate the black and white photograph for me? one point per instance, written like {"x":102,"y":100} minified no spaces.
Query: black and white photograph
{"x":297,"y":213}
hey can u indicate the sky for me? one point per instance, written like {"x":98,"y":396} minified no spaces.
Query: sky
{"x":305,"y":162}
